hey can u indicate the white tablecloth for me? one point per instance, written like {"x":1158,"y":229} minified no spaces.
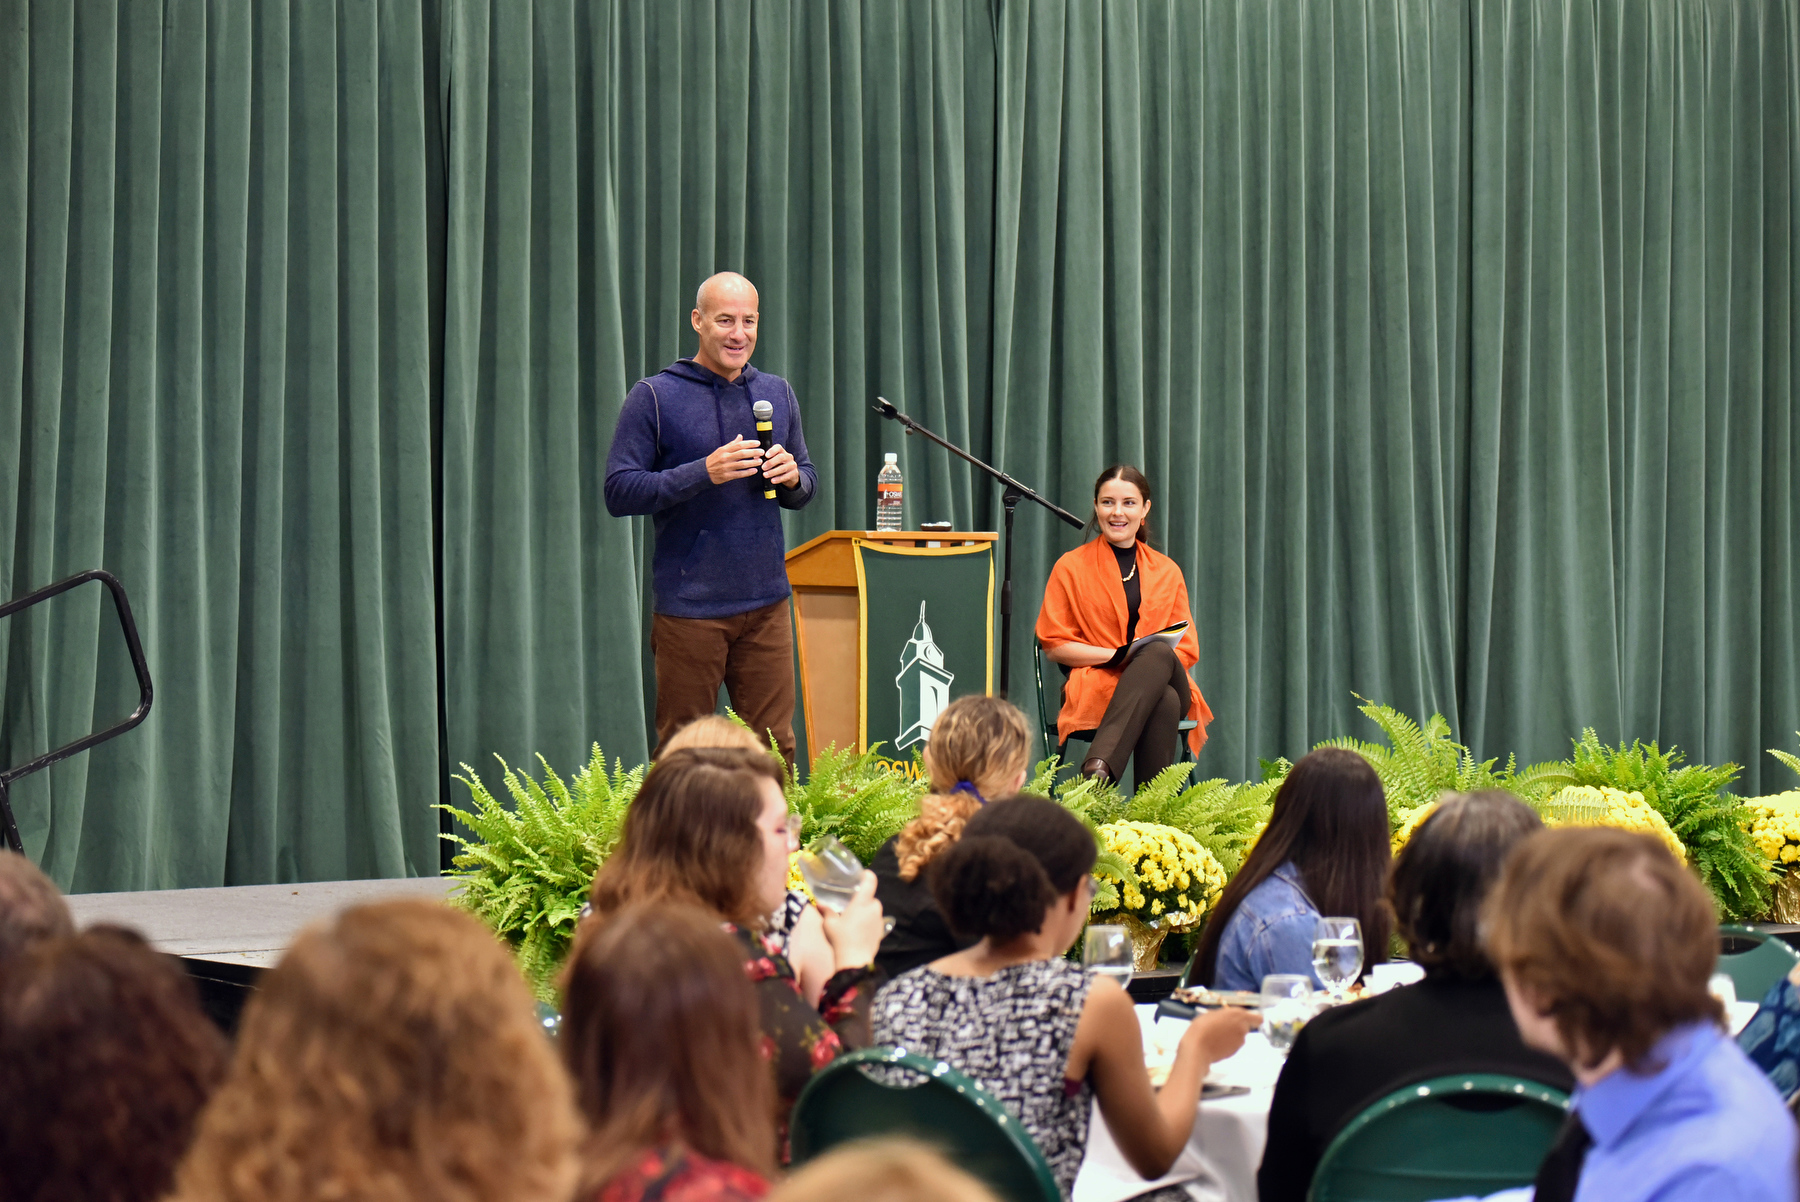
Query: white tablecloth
{"x":1220,"y":1161}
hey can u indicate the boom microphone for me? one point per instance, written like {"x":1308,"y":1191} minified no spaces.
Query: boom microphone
{"x":765,"y":434}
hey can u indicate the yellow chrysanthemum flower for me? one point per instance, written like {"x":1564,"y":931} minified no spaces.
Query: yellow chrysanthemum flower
{"x":1611,"y":807}
{"x":1178,"y":880}
{"x":1775,"y":826}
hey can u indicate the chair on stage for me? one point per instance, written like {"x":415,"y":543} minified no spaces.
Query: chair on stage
{"x":1047,"y":715}
{"x":890,"y":1091}
{"x":1449,"y":1137}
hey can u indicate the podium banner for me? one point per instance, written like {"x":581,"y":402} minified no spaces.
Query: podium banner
{"x":927,"y":638}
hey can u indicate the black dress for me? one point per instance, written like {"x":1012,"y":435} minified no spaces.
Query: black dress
{"x":921,"y":934}
{"x":1353,"y":1055}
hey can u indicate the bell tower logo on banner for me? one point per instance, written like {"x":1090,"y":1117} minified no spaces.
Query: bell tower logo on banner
{"x":924,"y":685}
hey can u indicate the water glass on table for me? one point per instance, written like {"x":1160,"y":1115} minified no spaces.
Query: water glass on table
{"x":832,"y":873}
{"x":1337,"y":953}
{"x":1106,"y":951}
{"x":1287,"y":1005}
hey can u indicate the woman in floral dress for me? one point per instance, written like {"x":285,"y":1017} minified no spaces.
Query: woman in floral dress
{"x":711,"y":828}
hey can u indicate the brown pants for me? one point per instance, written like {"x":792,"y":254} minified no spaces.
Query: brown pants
{"x":751,"y":654}
{"x":1142,"y":721}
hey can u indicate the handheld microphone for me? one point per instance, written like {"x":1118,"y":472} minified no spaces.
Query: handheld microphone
{"x":765,"y":434}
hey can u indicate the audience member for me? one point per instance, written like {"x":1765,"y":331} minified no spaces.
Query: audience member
{"x":32,"y":908}
{"x":1454,"y":1021}
{"x":1604,"y":942}
{"x":1040,"y":1033}
{"x":882,"y":1170}
{"x":1325,"y":852}
{"x":980,"y":748}
{"x":794,"y":927}
{"x":1772,"y":1037}
{"x":662,"y":1035}
{"x":712,"y":828}
{"x":105,"y":1061}
{"x":394,"y":1054}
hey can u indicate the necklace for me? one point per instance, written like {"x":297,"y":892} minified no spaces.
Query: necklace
{"x":1134,"y":564}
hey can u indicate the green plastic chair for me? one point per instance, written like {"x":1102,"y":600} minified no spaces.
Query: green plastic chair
{"x":1445,"y":1138}
{"x":1754,"y":960}
{"x":1047,"y":716}
{"x":929,"y":1101}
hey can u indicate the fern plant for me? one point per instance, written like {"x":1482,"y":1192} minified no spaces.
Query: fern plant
{"x":1224,"y":818}
{"x":527,"y":871}
{"x":854,"y":796}
{"x":1713,"y":825}
{"x":1419,"y":762}
{"x":1787,"y":757}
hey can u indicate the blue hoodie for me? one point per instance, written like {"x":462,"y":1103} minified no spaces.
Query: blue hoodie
{"x":719,"y":547}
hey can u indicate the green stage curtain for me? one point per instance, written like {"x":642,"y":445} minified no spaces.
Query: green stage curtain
{"x":1456,"y":336}
{"x":1632,"y":503}
{"x":605,"y":159}
{"x":215,"y":361}
{"x":1231,"y":249}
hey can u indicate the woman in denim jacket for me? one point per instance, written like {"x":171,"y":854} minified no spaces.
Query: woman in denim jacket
{"x":1325,"y":852}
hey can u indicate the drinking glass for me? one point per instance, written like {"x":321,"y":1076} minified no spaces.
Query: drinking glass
{"x":1287,"y":1007}
{"x":1107,"y":952}
{"x":831,"y":872}
{"x":1337,"y":953}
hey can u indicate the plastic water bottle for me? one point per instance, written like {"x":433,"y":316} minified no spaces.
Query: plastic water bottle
{"x":888,"y":488}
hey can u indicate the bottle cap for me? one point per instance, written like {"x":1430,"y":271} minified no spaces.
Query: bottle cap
{"x":892,"y":457}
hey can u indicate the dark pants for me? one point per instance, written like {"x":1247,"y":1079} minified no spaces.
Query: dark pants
{"x":1142,"y":719}
{"x":751,"y":654}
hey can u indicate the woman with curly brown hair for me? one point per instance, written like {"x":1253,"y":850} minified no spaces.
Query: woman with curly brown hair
{"x":105,"y":1062}
{"x":394,"y":1055}
{"x":662,"y":1035}
{"x":979,"y":751}
{"x":711,"y":828}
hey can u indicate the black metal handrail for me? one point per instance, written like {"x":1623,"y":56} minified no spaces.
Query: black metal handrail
{"x":136,"y":647}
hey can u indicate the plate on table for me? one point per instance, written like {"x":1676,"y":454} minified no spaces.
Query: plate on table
{"x":1214,"y":999}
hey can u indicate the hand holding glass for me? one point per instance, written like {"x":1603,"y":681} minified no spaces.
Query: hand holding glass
{"x":832,"y":872}
{"x":1106,"y":951}
{"x":1337,"y":953}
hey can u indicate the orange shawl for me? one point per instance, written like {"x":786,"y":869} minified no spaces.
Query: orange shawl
{"x":1085,"y":603}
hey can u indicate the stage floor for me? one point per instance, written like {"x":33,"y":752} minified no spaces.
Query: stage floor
{"x":250,"y":925}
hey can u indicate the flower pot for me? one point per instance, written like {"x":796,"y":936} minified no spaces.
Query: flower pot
{"x":1146,"y":942}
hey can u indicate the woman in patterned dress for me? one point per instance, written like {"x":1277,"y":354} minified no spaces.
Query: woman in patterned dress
{"x":711,"y":828}
{"x":1033,"y":1029}
{"x":663,"y":1039}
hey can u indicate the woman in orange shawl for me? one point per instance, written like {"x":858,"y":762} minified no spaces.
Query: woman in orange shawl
{"x":1101,"y":596}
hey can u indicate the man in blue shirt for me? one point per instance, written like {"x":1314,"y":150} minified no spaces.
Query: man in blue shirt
{"x":1605,"y":943}
{"x":686,"y":452}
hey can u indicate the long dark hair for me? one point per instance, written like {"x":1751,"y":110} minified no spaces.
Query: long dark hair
{"x":1330,"y":821}
{"x":1133,"y":477}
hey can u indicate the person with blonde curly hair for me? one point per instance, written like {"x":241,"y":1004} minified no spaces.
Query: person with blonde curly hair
{"x":979,"y":751}
{"x":394,"y":1055}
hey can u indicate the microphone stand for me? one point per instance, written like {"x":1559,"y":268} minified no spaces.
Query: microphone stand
{"x":1013,"y":492}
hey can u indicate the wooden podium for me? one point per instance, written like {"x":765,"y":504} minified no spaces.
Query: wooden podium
{"x":828,"y":615}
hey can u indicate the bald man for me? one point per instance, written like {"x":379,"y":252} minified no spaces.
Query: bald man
{"x":686,"y":452}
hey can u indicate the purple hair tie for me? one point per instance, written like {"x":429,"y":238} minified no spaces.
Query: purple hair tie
{"x":963,"y":786}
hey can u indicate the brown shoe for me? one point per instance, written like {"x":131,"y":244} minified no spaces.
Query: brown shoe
{"x":1095,"y":766}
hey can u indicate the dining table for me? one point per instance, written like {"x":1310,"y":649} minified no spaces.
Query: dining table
{"x":1226,"y":1145}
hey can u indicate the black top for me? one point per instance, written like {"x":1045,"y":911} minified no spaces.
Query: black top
{"x":1134,"y":593}
{"x":920,"y":933}
{"x":1354,"y":1055}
